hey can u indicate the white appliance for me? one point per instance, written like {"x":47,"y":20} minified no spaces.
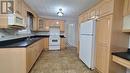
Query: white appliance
{"x":15,"y":20}
{"x":87,"y":43}
{"x":54,"y":39}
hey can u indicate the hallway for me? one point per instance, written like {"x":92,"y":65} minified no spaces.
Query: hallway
{"x":64,"y":61}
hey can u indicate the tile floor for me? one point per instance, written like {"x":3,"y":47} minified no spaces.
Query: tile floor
{"x":64,"y":61}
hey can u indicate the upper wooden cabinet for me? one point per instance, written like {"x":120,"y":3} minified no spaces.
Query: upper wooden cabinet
{"x":44,"y":24}
{"x":12,"y":17}
{"x":126,"y":7}
{"x":18,"y":6}
{"x":104,"y":8}
{"x":20,"y":15}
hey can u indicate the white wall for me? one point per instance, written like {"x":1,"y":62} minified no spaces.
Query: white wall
{"x":71,"y":32}
{"x":71,"y":35}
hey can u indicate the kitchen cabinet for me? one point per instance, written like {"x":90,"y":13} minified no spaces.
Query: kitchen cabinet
{"x":121,"y":61}
{"x":25,"y":9}
{"x":106,"y":7}
{"x":103,"y":8}
{"x":20,"y":60}
{"x":103,"y":43}
{"x":81,"y":18}
{"x":62,"y":26}
{"x":20,"y":9}
{"x":46,"y":43}
{"x":107,"y":40}
{"x":62,"y":43}
{"x":108,"y":27}
{"x":50,"y":22}
{"x":18,"y":6}
{"x":33,"y":51}
{"x":41,"y":26}
{"x":91,"y":13}
{"x":44,"y":24}
{"x":17,"y":18}
{"x":126,"y":7}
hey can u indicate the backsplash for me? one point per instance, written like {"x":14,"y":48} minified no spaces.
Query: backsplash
{"x":11,"y":34}
{"x":6,"y":33}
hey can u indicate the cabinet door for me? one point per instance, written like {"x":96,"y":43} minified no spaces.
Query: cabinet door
{"x":29,"y":58}
{"x":18,"y":6}
{"x":61,"y":24}
{"x":81,"y":18}
{"x":62,"y":43}
{"x":47,"y":25}
{"x":103,"y":32}
{"x":126,"y":3}
{"x":128,"y":6}
{"x":106,"y":7}
{"x":46,"y":43}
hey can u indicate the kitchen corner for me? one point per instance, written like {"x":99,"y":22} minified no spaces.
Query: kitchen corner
{"x":20,"y":52}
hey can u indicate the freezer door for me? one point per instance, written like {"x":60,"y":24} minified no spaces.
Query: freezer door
{"x":86,"y":46}
{"x":87,"y":27}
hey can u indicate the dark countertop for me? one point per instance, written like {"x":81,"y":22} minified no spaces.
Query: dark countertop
{"x":18,"y":43}
{"x":124,"y":55}
{"x":62,"y":36}
{"x":22,"y":42}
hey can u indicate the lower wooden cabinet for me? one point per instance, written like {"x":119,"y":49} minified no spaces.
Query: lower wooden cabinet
{"x":19,"y":60}
{"x":32,"y":53}
{"x":46,"y":43}
{"x":62,"y":43}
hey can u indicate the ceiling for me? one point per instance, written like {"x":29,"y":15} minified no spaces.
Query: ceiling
{"x":71,"y":8}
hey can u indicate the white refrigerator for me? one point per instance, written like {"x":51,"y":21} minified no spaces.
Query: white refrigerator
{"x":87,"y":43}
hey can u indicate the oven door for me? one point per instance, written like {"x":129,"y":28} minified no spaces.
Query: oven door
{"x":54,"y":41}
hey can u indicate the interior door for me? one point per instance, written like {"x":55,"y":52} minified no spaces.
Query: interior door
{"x":103,"y":33}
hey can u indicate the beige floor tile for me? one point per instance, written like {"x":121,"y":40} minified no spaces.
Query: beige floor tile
{"x":64,"y":61}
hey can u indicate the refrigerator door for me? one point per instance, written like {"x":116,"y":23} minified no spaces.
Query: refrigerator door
{"x":87,"y":43}
{"x":87,"y":27}
{"x":86,"y":49}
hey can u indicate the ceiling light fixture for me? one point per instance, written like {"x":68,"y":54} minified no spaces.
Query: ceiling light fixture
{"x":60,"y":13}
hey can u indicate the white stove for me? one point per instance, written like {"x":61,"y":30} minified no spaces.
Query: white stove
{"x":54,"y":39}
